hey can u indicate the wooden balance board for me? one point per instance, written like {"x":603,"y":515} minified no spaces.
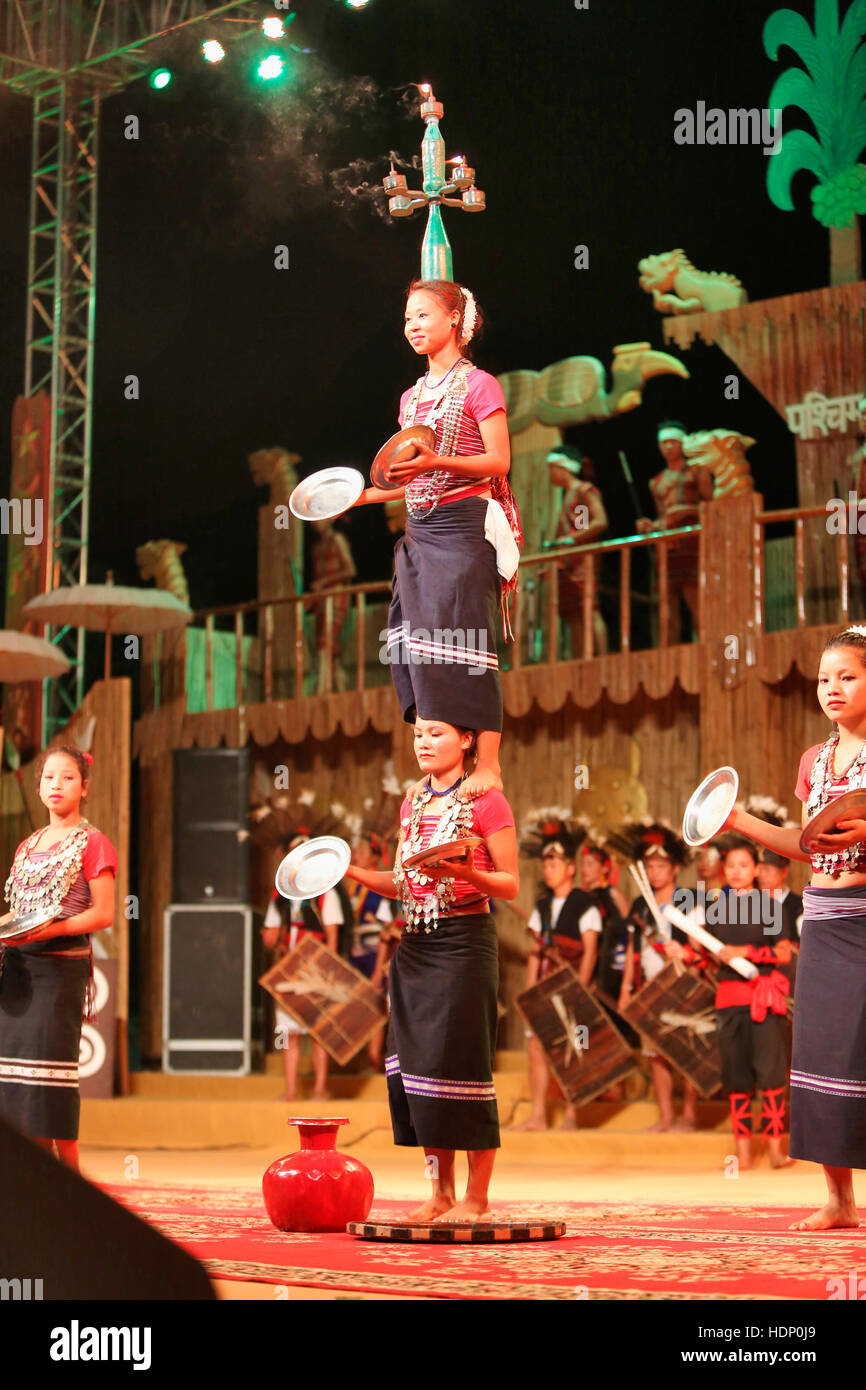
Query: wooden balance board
{"x":460,"y":1233}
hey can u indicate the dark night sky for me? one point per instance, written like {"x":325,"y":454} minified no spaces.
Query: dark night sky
{"x":567,"y":116}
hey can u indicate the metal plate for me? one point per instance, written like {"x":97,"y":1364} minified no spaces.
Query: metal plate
{"x":849,"y":806}
{"x":27,"y":922}
{"x":400,"y":448}
{"x":313,"y":867}
{"x":326,"y":494}
{"x":710,"y":805}
{"x":449,"y":849}
{"x":493,"y":1232}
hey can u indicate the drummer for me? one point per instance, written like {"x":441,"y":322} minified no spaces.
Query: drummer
{"x":751,"y":1013}
{"x":650,"y":948}
{"x":287,"y":922}
{"x":445,"y":972}
{"x":457,"y":562}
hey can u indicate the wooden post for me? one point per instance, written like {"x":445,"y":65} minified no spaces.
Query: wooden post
{"x":299,"y":650}
{"x":517,"y":627}
{"x":625,"y":599}
{"x":662,"y":562}
{"x":239,"y":659}
{"x":269,"y":651}
{"x":588,"y":605}
{"x":844,"y":586}
{"x":553,"y":612}
{"x":758,"y":566}
{"x":361,"y":637}
{"x":800,"y":570}
{"x":329,"y":648}
{"x":208,"y":661}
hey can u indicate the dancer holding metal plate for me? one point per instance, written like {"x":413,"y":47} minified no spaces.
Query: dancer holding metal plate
{"x":445,"y":972}
{"x":457,"y":562}
{"x":828,"y":1074}
{"x":66,"y":869}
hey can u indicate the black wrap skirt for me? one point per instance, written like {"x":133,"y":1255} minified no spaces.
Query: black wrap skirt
{"x":828,"y":1071}
{"x":442,"y":1035}
{"x":41,"y":1002}
{"x":442,"y":619}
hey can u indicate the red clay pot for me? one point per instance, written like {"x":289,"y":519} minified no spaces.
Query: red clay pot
{"x":317,"y":1188}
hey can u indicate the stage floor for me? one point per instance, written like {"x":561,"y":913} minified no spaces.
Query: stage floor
{"x":540,"y":1169}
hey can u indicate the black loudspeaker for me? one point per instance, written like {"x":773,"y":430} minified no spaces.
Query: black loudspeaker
{"x":64,"y":1239}
{"x":207,"y":987}
{"x":211,"y":854}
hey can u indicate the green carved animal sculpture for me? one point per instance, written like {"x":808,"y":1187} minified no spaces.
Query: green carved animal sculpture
{"x":677,"y":287}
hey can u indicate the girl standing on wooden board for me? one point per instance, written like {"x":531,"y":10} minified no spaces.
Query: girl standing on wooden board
{"x":445,"y":972}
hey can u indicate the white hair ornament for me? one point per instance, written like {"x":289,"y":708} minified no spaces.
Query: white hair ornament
{"x":470,"y":314}
{"x":859,"y":628}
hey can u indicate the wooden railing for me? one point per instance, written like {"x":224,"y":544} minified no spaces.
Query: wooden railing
{"x":282,"y":632}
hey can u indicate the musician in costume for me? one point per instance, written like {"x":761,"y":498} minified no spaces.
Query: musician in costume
{"x":456,"y":565}
{"x":567,"y":924}
{"x":582,"y":521}
{"x":677,"y":492}
{"x":828,"y":1073}
{"x":596,"y":873}
{"x":445,"y":973}
{"x":752,"y":1014}
{"x":370,"y":911}
{"x":772,"y":877}
{"x":46,"y":982}
{"x":287,"y":921}
{"x":650,"y":948}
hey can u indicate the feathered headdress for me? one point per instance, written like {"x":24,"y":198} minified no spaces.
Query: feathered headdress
{"x":640,"y":839}
{"x":549,"y":825}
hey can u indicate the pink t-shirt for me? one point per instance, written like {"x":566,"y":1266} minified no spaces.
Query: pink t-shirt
{"x":484,"y":396}
{"x":837,"y":786}
{"x":490,"y":812}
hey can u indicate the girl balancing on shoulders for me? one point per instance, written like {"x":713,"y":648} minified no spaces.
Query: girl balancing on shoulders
{"x":445,"y":973}
{"x":457,"y":562}
{"x":45,"y":981}
{"x":828,"y":1071}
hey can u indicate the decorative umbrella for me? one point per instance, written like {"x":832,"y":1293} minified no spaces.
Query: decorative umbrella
{"x":110,"y":608}
{"x":26,"y":658}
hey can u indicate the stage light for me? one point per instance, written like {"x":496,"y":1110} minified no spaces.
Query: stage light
{"x":159,"y":78}
{"x":270,"y":67}
{"x":356,"y":4}
{"x":274,"y":28}
{"x":212,"y":51}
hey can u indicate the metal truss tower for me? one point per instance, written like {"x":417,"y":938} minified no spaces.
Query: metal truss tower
{"x":66,"y":55}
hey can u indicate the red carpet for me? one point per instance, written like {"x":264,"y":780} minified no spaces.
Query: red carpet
{"x":623,"y":1251}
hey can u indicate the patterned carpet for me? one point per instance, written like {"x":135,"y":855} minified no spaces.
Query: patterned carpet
{"x":622,"y":1251}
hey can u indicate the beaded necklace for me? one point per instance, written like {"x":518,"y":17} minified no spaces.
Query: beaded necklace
{"x":423,"y":493}
{"x":454,"y":823}
{"x":852,"y":858}
{"x":38,"y":883}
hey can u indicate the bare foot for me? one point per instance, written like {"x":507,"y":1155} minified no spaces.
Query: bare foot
{"x":484,"y":779}
{"x":533,"y":1125}
{"x":685,"y":1125}
{"x":288,"y":1095}
{"x":418,"y":787}
{"x":569,"y":1121}
{"x":660,"y":1127}
{"x":322,"y":1095}
{"x":781,"y":1161}
{"x":467,"y":1210}
{"x":832,"y":1215}
{"x":433,"y":1207}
